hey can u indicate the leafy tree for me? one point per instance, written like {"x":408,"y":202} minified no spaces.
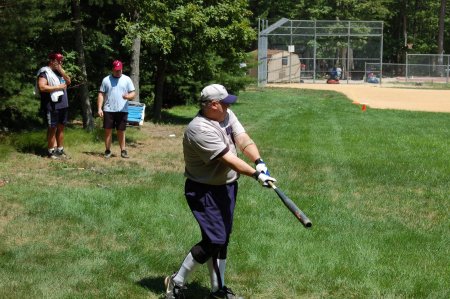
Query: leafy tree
{"x":27,"y":40}
{"x":184,"y":44}
{"x":88,"y":120}
{"x":183,"y":38}
{"x":405,"y":21}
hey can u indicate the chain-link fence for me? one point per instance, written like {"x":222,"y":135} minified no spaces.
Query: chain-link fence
{"x":427,"y":68}
{"x":419,"y":70}
{"x":315,"y":51}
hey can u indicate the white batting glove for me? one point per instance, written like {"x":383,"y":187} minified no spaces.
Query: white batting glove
{"x":261,"y":166}
{"x":263,"y":179}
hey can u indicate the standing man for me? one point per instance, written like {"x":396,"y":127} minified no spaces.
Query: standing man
{"x":212,"y":168}
{"x":52,"y":82}
{"x":115,"y":92}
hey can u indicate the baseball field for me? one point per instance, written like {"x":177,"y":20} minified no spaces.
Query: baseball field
{"x":375,"y":183}
{"x":375,"y":96}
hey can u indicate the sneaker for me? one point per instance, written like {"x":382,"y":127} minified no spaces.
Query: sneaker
{"x":124,"y":154}
{"x":52,"y":155}
{"x":107,"y":154}
{"x":61,"y":154}
{"x":173,"y":290}
{"x":224,"y":293}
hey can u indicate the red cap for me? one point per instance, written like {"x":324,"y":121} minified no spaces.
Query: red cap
{"x":56,"y":56}
{"x":117,"y":65}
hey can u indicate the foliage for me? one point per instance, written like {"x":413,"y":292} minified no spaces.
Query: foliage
{"x":21,"y":111}
{"x":421,"y":19}
{"x":27,"y":39}
{"x":190,"y":36}
{"x":198,"y":41}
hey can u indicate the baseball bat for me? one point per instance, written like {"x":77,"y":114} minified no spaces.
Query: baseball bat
{"x":292,"y":206}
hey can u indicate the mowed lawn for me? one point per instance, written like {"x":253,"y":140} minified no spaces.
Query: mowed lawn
{"x":375,"y":184}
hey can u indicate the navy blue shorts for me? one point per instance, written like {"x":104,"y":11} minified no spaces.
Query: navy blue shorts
{"x":57,"y":117}
{"x":213,"y":208}
{"x":117,"y":120}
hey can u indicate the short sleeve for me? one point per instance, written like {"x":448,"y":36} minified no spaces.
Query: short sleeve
{"x":209,"y":145}
{"x":103,"y":86}
{"x":130,"y":85}
{"x":235,"y":123}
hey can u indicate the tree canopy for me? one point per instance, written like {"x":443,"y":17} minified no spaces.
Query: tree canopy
{"x":183,"y":44}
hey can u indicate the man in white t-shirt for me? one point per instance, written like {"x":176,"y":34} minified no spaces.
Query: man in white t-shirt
{"x":212,"y":168}
{"x":112,"y":103}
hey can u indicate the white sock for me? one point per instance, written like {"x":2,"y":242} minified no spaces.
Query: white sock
{"x":60,"y":148}
{"x":188,"y":266}
{"x":222,"y":266}
{"x":51,"y":150}
{"x":213,"y":275}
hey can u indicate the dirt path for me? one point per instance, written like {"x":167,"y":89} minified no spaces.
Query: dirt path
{"x":375,"y":96}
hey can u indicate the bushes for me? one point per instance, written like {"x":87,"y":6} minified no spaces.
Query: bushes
{"x":20,"y":112}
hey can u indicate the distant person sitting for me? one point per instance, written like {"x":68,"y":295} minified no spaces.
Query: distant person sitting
{"x":371,"y":78}
{"x":338,"y":72}
{"x":333,"y":73}
{"x":333,"y":76}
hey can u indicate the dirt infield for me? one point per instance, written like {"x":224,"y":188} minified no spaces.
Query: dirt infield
{"x":378,"y":97}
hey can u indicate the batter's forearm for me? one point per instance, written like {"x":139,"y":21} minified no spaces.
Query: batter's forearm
{"x":237,"y":164}
{"x":252,"y":152}
{"x":247,"y":147}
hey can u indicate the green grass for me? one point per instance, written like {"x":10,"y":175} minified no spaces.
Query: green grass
{"x":375,"y":184}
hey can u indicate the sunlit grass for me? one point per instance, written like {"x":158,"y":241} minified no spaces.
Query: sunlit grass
{"x":375,"y":184}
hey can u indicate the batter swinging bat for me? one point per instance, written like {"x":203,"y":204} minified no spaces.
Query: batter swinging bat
{"x":292,"y":207}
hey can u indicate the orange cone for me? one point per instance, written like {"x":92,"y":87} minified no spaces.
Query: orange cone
{"x":364,"y":108}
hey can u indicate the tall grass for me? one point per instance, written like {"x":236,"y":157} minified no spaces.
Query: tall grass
{"x":374,"y":183}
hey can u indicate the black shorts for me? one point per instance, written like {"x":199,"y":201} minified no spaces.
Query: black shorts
{"x":117,"y":120}
{"x":213,"y":208}
{"x":56,"y":117}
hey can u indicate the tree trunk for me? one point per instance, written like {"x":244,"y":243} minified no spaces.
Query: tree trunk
{"x":135,"y":58}
{"x":441,"y":30}
{"x":88,"y":120}
{"x":159,"y":89}
{"x":405,"y":32}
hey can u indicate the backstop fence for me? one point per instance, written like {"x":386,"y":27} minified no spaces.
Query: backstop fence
{"x":309,"y":50}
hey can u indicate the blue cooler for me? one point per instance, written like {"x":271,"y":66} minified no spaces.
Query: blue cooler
{"x":136,"y":113}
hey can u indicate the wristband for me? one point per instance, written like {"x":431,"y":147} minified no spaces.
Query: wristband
{"x":256,"y":174}
{"x":259,"y":160}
